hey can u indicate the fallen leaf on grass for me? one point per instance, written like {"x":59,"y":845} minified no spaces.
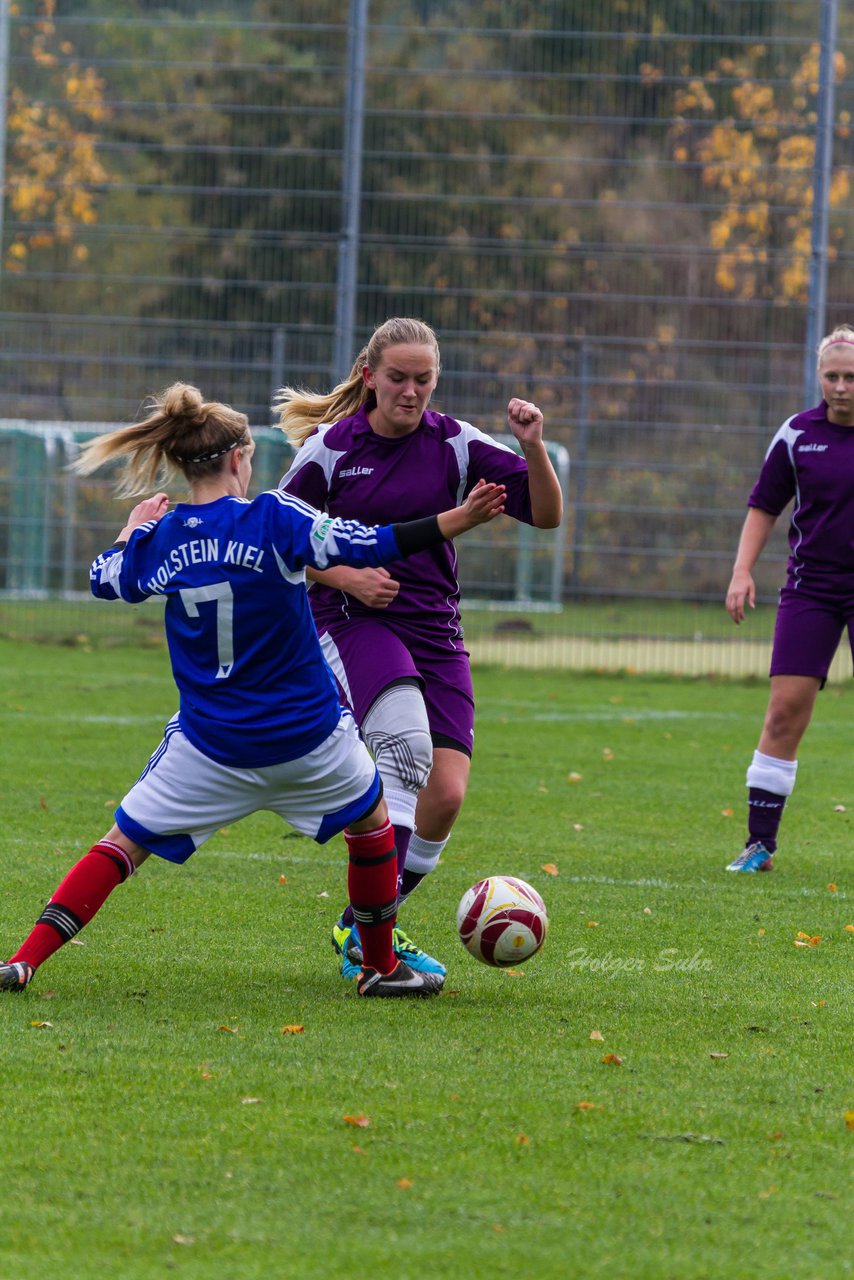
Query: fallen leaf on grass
{"x":726,"y":813}
{"x":612,"y":1060}
{"x":232,"y":1031}
{"x":404,"y":1183}
{"x":849,"y":1119}
{"x":760,"y":933}
{"x":293,"y":1029}
{"x":832,"y":887}
{"x":184,"y":1239}
{"x":718,"y":1057}
{"x":839,"y":808}
{"x":358,"y":1151}
{"x":522,"y":1140}
{"x":765,"y":1195}
{"x":607,"y":753}
{"x":205,"y":1072}
{"x":592,"y":924}
{"x":804,"y":940}
{"x":550,"y":869}
{"x":358,"y":1122}
{"x":248,"y":1102}
{"x":775,"y":1137}
{"x":41,"y":1024}
{"x":849,"y":928}
{"x":589,"y":1106}
{"x":574,"y":777}
{"x":283,"y":879}
{"x":596,"y":1035}
{"x":515,"y":973}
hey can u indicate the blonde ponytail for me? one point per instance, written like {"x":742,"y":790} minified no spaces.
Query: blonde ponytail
{"x":182,"y":435}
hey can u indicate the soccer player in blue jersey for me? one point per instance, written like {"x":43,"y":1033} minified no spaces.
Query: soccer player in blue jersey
{"x":372,"y":449}
{"x":810,"y":460}
{"x":259,"y":725}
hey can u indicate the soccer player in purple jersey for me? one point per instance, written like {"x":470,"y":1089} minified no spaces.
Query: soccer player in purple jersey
{"x":372,"y":449}
{"x":810,"y":460}
{"x":260,"y":725}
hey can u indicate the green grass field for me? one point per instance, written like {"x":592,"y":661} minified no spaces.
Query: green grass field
{"x":156,"y":1119}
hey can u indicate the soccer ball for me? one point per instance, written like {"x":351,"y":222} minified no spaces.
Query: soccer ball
{"x":502,"y":921}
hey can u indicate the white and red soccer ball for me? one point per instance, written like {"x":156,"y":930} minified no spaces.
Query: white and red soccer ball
{"x":502,"y":921}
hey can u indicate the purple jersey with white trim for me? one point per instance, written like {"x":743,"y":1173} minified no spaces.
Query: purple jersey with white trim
{"x":811,"y":461}
{"x":349,"y":470}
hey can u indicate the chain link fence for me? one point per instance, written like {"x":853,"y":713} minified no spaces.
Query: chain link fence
{"x":605,"y":208}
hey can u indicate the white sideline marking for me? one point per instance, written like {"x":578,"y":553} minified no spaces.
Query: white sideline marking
{"x":617,"y":716}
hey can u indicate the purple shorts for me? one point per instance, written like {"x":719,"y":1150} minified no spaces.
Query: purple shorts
{"x":367,"y":655}
{"x":808,"y":631}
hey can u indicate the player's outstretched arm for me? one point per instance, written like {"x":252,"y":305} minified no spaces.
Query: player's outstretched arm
{"x":484,"y":502}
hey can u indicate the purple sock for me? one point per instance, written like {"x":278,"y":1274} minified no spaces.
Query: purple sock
{"x":764,"y":811}
{"x":402,"y":836}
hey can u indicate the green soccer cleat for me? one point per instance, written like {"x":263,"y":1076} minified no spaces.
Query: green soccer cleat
{"x":348,"y":944}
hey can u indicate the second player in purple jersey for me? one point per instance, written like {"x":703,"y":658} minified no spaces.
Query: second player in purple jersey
{"x":810,"y":463}
{"x":393,"y":637}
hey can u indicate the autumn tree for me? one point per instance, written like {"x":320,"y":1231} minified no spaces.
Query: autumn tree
{"x":53,"y":166}
{"x":758,"y":156}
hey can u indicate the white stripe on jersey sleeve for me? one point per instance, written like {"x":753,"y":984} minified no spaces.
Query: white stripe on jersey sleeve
{"x":787,"y":435}
{"x":460,"y":445}
{"x":314,"y":449}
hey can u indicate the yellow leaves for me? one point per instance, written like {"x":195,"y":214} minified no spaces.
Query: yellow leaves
{"x":405,"y":1184}
{"x":726,"y":813}
{"x":596,"y":1035}
{"x":805,"y":940}
{"x":607,"y":754}
{"x":522,"y":1140}
{"x":550,"y":869}
{"x":574,"y":777}
{"x":179,"y":1238}
{"x":42,"y":1025}
{"x":832,"y":887}
{"x":612,"y":1060}
{"x":293,"y":1029}
{"x":283,"y":879}
{"x":589,"y":1106}
{"x":357,"y":1122}
{"x":849,"y":1119}
{"x":849,"y":928}
{"x":232,"y":1031}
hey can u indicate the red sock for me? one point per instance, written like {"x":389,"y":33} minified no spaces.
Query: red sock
{"x":372,"y":884}
{"x":77,"y":898}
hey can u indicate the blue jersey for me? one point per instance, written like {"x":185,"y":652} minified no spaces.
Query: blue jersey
{"x":254,"y":686}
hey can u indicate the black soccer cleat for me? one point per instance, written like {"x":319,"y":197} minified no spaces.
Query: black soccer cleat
{"x":15,"y":975}
{"x":402,"y":981}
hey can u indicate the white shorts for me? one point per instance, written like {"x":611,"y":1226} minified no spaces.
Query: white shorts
{"x":183,"y":797}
